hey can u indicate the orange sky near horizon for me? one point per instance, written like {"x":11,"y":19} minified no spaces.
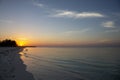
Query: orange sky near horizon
{"x":52,"y":41}
{"x":33,"y":42}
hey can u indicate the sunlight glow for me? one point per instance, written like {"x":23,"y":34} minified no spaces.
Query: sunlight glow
{"x":21,"y":42}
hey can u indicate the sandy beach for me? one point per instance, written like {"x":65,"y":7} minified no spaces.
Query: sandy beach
{"x":11,"y":65}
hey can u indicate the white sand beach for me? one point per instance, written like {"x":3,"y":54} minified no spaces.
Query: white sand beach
{"x":11,"y":65}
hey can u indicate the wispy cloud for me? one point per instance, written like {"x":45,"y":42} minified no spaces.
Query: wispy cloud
{"x":38,"y":4}
{"x":110,"y":31}
{"x":74,"y":32}
{"x":85,"y":30}
{"x":108,"y":24}
{"x":6,"y":21}
{"x":73,"y":14}
{"x":104,"y":40}
{"x":67,"y":13}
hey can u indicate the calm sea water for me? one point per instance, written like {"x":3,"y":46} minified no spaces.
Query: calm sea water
{"x":73,"y":63}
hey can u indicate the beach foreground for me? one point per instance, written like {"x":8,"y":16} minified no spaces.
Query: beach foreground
{"x":11,"y":66}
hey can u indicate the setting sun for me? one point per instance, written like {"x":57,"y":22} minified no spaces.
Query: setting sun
{"x":21,"y":42}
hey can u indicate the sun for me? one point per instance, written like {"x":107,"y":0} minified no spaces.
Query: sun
{"x":21,"y":42}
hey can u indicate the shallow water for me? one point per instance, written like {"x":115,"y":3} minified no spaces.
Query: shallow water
{"x":73,"y":63}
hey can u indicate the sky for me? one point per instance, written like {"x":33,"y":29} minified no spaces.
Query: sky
{"x":60,"y":22}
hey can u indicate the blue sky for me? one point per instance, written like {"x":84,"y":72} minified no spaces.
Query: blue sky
{"x":42,"y":22}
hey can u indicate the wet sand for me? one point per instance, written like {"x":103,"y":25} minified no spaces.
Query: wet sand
{"x":11,"y":65}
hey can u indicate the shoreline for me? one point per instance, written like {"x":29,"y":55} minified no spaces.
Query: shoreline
{"x":11,"y":65}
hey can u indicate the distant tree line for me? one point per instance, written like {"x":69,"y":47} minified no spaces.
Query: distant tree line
{"x":8,"y":43}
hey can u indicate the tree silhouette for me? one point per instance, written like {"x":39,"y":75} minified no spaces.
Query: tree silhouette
{"x":8,"y":43}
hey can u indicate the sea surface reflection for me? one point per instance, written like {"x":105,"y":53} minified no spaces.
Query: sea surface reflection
{"x":73,"y":63}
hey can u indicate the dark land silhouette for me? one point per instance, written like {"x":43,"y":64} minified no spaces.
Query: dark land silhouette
{"x":8,"y":43}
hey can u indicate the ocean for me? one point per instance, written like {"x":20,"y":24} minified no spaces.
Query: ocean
{"x":91,"y":63}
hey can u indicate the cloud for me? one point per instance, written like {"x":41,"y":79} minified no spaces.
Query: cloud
{"x":38,"y":4}
{"x":6,"y":21}
{"x":74,"y":32}
{"x":104,"y":40}
{"x":110,"y":31}
{"x":84,"y":30}
{"x":73,"y":14}
{"x":109,"y":24}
